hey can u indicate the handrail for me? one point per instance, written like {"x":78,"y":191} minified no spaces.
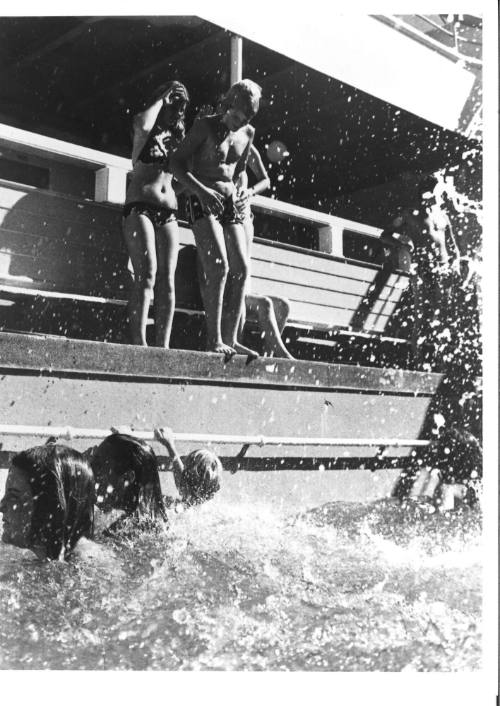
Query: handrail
{"x":79,"y":433}
{"x":300,"y":213}
{"x":65,"y":151}
{"x":110,"y":187}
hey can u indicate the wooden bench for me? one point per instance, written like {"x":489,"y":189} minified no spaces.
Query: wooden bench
{"x":63,"y":271}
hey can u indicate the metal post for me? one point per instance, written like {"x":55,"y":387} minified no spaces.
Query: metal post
{"x":236,"y":70}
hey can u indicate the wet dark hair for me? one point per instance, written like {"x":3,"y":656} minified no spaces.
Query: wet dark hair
{"x":164,"y":91}
{"x":200,"y":479}
{"x":62,"y":484}
{"x":122,"y":455}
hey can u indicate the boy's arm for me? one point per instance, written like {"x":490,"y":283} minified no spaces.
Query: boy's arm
{"x":257,"y":166}
{"x":179,"y":163}
{"x":165,"y":436}
{"x":143,"y":124}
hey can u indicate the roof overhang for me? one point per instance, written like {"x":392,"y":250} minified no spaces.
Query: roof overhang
{"x":365,"y":53}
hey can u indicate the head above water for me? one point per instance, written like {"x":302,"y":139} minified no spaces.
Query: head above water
{"x":49,"y":500}
{"x":200,"y":478}
{"x":127,"y":478}
{"x":241,"y":102}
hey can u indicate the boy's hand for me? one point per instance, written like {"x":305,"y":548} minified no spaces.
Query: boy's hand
{"x":212,"y":201}
{"x":242,"y":199}
{"x":122,"y":430}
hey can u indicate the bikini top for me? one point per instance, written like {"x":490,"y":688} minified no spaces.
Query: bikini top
{"x":160,"y":143}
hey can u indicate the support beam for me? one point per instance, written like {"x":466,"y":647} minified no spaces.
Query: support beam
{"x":236,"y":68}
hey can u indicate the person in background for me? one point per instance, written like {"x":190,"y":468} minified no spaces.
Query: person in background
{"x":271,"y":313}
{"x":150,"y":213}
{"x":436,"y":262}
{"x":49,"y":501}
{"x":455,"y":464}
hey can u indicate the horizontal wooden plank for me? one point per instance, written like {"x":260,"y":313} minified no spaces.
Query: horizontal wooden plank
{"x":34,"y":353}
{"x":263,"y":272}
{"x":313,"y":262}
{"x":328,"y":316}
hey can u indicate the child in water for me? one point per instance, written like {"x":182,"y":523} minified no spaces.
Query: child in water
{"x":127,"y":477}
{"x":208,"y":163}
{"x":48,"y":504}
{"x":198,"y":478}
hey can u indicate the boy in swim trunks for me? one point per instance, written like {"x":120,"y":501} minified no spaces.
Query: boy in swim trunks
{"x":208,"y":163}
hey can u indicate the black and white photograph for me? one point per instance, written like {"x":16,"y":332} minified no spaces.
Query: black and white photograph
{"x":247,"y":342}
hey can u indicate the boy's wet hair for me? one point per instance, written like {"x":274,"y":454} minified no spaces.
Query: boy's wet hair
{"x":122,"y":455}
{"x":62,"y":484}
{"x":201,"y":477}
{"x":243,"y":95}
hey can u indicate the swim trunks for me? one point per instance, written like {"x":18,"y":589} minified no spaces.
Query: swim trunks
{"x":230,"y":215}
{"x":158,"y":215}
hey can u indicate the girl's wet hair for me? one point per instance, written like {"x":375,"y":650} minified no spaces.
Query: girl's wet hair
{"x":175,"y":88}
{"x":122,"y":455}
{"x":62,"y":484}
{"x":201,"y":477}
{"x":244,"y":95}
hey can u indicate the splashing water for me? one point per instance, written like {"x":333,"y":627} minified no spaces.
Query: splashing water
{"x":344,"y":587}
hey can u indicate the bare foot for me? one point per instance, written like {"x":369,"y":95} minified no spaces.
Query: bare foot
{"x":243,"y":350}
{"x":223,"y":348}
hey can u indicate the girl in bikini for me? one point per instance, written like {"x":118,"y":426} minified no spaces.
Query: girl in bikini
{"x":150,"y":213}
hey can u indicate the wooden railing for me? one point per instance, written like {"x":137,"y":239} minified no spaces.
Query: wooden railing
{"x":111,"y":175}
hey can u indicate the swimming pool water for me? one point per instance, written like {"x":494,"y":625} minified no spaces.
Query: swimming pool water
{"x":247,"y":586}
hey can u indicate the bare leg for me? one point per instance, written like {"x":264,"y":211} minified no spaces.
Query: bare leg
{"x":167,"y":248}
{"x":249,"y":233}
{"x":139,"y":236}
{"x":281,"y":311}
{"x":211,"y":250}
{"x":263,"y":309}
{"x":235,"y":287}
